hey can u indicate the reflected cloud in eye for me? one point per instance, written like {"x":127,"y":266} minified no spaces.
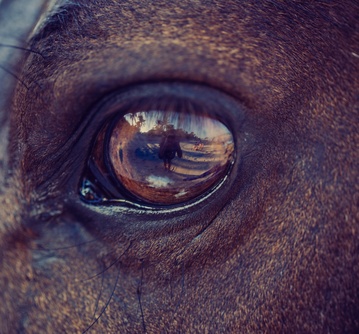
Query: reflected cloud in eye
{"x":158,"y":181}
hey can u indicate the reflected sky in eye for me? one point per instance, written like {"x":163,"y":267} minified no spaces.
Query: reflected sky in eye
{"x":203,"y":127}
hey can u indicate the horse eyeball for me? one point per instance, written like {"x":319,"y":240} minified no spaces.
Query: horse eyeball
{"x":153,"y":157}
{"x":168,"y":158}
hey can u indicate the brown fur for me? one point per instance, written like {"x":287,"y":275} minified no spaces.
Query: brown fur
{"x":275,"y":251}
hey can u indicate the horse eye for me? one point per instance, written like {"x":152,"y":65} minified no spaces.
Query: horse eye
{"x":157,"y":158}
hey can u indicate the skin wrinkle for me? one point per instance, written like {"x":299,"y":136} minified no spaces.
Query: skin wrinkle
{"x":281,"y":251}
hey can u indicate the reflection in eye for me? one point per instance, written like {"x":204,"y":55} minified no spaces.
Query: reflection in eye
{"x":160,"y":157}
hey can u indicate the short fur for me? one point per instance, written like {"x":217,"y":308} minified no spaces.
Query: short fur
{"x":277,"y":249}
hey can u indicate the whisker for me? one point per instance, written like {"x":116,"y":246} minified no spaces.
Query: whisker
{"x":103,"y":271}
{"x":98,"y":298}
{"x":22,"y":48}
{"x":111,"y":265}
{"x":14,"y":75}
{"x":106,"y":305}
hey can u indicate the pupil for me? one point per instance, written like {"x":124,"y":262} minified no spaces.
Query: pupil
{"x":165,"y":157}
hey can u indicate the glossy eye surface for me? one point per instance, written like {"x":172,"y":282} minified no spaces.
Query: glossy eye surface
{"x":158,"y":156}
{"x":169,"y":157}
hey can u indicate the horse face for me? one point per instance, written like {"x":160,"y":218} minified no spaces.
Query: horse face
{"x":270,"y":245}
